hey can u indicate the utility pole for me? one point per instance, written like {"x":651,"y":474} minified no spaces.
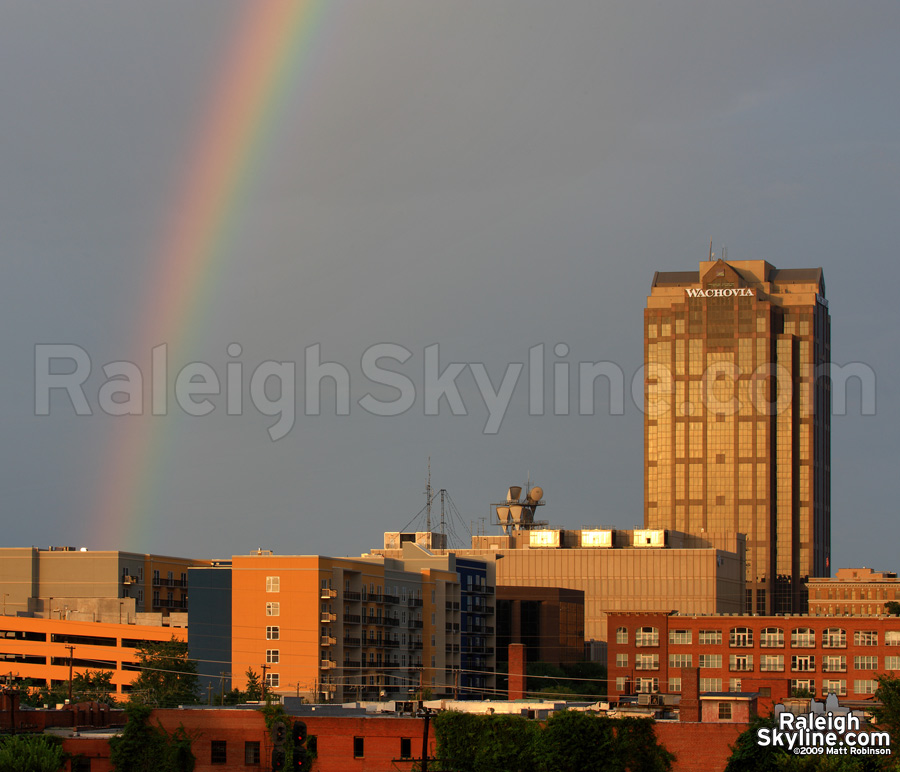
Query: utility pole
{"x":265,"y":667}
{"x":425,"y":742}
{"x":71,"y":649}
{"x":209,"y":694}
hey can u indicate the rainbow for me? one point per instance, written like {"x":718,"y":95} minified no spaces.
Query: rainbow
{"x":272,"y":46}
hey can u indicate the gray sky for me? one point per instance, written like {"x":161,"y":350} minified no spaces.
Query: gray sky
{"x":484,"y":177}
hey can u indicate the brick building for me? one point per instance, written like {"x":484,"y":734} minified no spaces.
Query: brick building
{"x":853,"y":592}
{"x":647,"y":652}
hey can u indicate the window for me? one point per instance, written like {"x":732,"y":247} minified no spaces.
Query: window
{"x":801,"y":663}
{"x":740,"y":662}
{"x":892,"y":663}
{"x":621,"y":683}
{"x":646,"y":636}
{"x":803,"y":638}
{"x":621,"y":660}
{"x":734,"y":684}
{"x":251,"y":752}
{"x":710,"y":660}
{"x":647,"y":685}
{"x":892,"y":638}
{"x":740,"y":637}
{"x":273,"y":584}
{"x":771,"y":663}
{"x":81,"y":764}
{"x":865,"y":638}
{"x":724,"y":711}
{"x":803,"y":685}
{"x":771,"y":637}
{"x":646,"y":661}
{"x":675,"y":684}
{"x":273,"y":680}
{"x":865,"y":687}
{"x":622,"y":635}
{"x":405,"y":748}
{"x":680,"y":660}
{"x":273,"y":656}
{"x":710,"y":638}
{"x":834,"y":664}
{"x":865,"y":663}
{"x":679,"y":636}
{"x":710,"y":684}
{"x":834,"y":638}
{"x":273,"y":609}
{"x":834,"y":686}
{"x":218,"y":752}
{"x":359,"y":747}
{"x":273,"y":632}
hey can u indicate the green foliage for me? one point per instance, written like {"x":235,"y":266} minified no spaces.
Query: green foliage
{"x":747,"y":756}
{"x":887,"y":712}
{"x":892,"y":607}
{"x":168,"y":678}
{"x":94,"y":685}
{"x":254,"y":685}
{"x":571,"y":741}
{"x":143,"y":748}
{"x":31,"y":753}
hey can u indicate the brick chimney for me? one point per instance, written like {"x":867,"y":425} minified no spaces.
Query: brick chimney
{"x":516,"y":671}
{"x":689,"y":707}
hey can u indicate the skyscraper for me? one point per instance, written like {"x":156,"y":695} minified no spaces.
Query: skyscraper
{"x":737,"y":418}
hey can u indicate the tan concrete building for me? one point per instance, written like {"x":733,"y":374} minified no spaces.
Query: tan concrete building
{"x":737,"y":418}
{"x":102,"y":585}
{"x":618,"y":570}
{"x":853,"y":592}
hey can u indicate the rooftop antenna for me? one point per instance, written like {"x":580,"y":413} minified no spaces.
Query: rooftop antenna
{"x":428,"y":500}
{"x":710,"y":250}
{"x":443,"y":535}
{"x":724,"y":253}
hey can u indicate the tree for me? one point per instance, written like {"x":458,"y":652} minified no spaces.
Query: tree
{"x":254,"y":684}
{"x":31,"y":753}
{"x":168,"y":678}
{"x":892,"y":607}
{"x":886,"y":710}
{"x":748,"y":756}
{"x":573,"y":741}
{"x":95,"y":685}
{"x":143,"y":748}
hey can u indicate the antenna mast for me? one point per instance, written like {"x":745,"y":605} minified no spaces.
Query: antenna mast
{"x":428,"y":500}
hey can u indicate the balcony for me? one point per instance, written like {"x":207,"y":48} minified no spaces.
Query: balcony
{"x":414,"y":602}
{"x":390,"y":598}
{"x":326,"y":617}
{"x":391,"y":621}
{"x":452,"y":648}
{"x":160,"y":582}
{"x":327,"y":641}
{"x":166,"y":603}
{"x":327,"y":664}
{"x":415,"y":624}
{"x":352,"y":663}
{"x":391,"y":644}
{"x":354,"y":642}
{"x":351,"y":595}
{"x":352,"y":619}
{"x":415,"y":644}
{"x":327,"y":594}
{"x":451,"y":606}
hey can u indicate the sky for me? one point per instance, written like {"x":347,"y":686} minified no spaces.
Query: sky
{"x":411,"y":199}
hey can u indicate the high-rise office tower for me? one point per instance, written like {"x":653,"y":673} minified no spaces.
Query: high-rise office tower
{"x":737,"y":418}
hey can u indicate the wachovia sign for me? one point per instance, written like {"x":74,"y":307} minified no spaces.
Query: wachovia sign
{"x":823,"y":733}
{"x":719,"y":292}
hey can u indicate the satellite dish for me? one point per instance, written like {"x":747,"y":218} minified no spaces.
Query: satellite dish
{"x":514,"y":492}
{"x":536,"y":494}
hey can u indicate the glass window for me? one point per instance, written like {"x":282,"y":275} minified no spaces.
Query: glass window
{"x":865,"y":687}
{"x":740,"y":662}
{"x":865,"y":663}
{"x":405,"y":748}
{"x":865,"y":638}
{"x":218,"y":752}
{"x":771,"y":663}
{"x":803,"y":662}
{"x":834,"y":663}
{"x":710,"y":660}
{"x":273,"y":679}
{"x":251,"y":752}
{"x":622,"y":635}
{"x":272,"y":656}
{"x":834,"y":638}
{"x":273,"y":609}
{"x":771,"y":637}
{"x":710,"y":684}
{"x":359,"y":747}
{"x":646,"y":636}
{"x":646,"y":662}
{"x":740,"y":637}
{"x":273,"y":632}
{"x":710,"y":637}
{"x":724,"y":711}
{"x":273,"y":584}
{"x":680,"y":660}
{"x":834,"y":686}
{"x":675,"y":684}
{"x":679,"y":636}
{"x":803,"y":638}
{"x":621,"y":660}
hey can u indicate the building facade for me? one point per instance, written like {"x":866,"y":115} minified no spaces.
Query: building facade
{"x":853,"y":592}
{"x":39,"y":650}
{"x":368,"y":628}
{"x":647,"y":653}
{"x":737,"y":418}
{"x":65,"y":581}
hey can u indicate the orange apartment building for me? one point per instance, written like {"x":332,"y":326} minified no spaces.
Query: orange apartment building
{"x":38,"y":649}
{"x":338,"y":629}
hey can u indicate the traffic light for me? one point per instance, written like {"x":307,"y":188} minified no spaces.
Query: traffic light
{"x":301,"y":760}
{"x":279,"y":735}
